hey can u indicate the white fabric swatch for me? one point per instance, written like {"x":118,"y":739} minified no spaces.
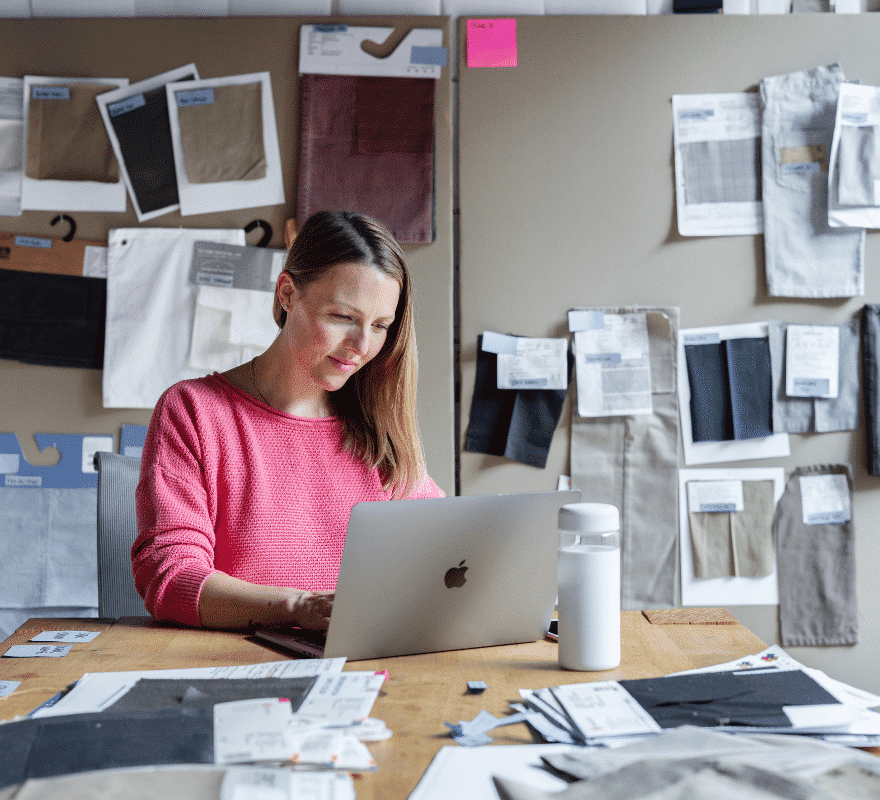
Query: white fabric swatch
{"x":150,"y":311}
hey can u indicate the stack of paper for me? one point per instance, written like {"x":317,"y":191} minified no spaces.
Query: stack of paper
{"x":766,"y":693}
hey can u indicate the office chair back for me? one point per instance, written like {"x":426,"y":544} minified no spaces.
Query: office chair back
{"x":117,"y":529}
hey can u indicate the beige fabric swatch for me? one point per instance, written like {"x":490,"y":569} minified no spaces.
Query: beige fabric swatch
{"x":738,"y":544}
{"x":223,"y":140}
{"x":66,"y":139}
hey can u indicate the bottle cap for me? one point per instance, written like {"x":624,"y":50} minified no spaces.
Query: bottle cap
{"x":589,"y":518}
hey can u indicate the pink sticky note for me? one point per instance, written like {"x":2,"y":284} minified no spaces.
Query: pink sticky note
{"x":491,"y":42}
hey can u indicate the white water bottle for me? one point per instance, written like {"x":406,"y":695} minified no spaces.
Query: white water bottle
{"x":589,"y":586}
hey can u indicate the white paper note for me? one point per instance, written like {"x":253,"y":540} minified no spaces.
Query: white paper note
{"x":8,"y":687}
{"x":537,"y":364}
{"x":604,"y":708}
{"x":717,"y":157}
{"x":714,"y":497}
{"x":812,"y":356}
{"x":825,"y":499}
{"x":613,"y":367}
{"x":251,"y":730}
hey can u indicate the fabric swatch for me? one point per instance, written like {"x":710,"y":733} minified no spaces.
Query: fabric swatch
{"x":737,"y":543}
{"x":66,"y":138}
{"x":223,"y":140}
{"x":816,"y":569}
{"x":817,"y":414}
{"x":870,"y":364}
{"x":366,"y":145}
{"x":632,"y":462}
{"x":53,"y":320}
{"x":515,"y":423}
{"x":858,"y":164}
{"x":144,"y":136}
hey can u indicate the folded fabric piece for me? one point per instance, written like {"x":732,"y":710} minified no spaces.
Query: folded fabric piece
{"x":736,"y":543}
{"x":804,"y":256}
{"x":222,"y":140}
{"x":66,"y":139}
{"x":230,"y":326}
{"x":817,"y":414}
{"x":816,"y":570}
{"x":53,"y":320}
{"x":150,"y":310}
{"x":730,"y":385}
{"x":870,"y":364}
{"x":169,"y":693}
{"x":367,"y":145}
{"x":515,"y":423}
{"x":62,"y":745}
{"x":48,"y":547}
{"x":632,"y":462}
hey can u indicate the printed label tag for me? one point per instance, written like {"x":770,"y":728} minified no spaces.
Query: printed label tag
{"x":30,"y":241}
{"x":702,"y":338}
{"x":715,"y":497}
{"x":50,"y":92}
{"x":22,"y":480}
{"x":195,"y":97}
{"x":124,"y":106}
{"x":825,"y":499}
{"x":804,"y":158}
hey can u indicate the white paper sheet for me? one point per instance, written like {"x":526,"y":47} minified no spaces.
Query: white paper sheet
{"x":96,"y":691}
{"x":129,"y":92}
{"x":732,"y":590}
{"x":812,"y":355}
{"x":613,"y":367}
{"x":536,"y":364}
{"x":717,"y":143}
{"x":470,"y":771}
{"x":265,"y":783}
{"x":50,"y":195}
{"x":774,"y":446}
{"x":825,"y":499}
{"x":207,"y":198}
{"x":857,"y":106}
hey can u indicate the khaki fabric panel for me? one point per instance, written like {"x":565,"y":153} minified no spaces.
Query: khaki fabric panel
{"x":223,"y":140}
{"x":751,"y":531}
{"x":66,"y":139}
{"x":711,"y":545}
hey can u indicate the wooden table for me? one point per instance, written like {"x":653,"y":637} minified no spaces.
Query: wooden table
{"x":422,"y":691}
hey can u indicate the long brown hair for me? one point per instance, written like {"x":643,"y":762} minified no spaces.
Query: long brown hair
{"x":378,"y":404}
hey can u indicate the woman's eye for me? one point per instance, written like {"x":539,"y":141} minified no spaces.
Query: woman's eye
{"x":341,"y":316}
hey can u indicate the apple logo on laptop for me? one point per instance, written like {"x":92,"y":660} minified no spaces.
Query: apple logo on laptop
{"x":454,"y":577}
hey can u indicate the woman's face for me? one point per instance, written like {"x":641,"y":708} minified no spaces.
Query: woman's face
{"x":337,"y":323}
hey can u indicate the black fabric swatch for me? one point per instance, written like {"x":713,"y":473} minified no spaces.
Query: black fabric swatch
{"x":52,"y":320}
{"x":144,"y":136}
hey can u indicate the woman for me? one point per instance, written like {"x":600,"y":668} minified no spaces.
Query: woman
{"x":248,"y":477}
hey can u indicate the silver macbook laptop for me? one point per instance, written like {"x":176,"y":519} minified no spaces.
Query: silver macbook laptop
{"x":421,"y":576}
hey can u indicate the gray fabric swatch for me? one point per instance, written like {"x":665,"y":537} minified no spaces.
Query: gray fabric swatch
{"x":816,"y":571}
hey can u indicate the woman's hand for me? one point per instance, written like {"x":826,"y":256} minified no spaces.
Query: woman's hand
{"x":311,"y":610}
{"x":227,"y":602}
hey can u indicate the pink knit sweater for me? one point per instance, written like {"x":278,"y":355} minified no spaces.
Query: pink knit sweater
{"x":229,"y":484}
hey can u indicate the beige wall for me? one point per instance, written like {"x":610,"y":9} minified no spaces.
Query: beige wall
{"x":567,"y":199}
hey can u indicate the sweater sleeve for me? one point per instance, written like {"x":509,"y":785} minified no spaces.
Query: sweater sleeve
{"x":174,"y":550}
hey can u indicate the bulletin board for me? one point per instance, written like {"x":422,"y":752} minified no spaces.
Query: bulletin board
{"x":567,"y":195}
{"x":36,"y":399}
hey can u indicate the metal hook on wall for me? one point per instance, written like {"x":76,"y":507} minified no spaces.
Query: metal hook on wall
{"x":267,"y":231}
{"x":70,"y":221}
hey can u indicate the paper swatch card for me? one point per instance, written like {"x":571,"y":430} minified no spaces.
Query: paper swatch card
{"x":8,"y":687}
{"x":38,"y":651}
{"x":491,"y":43}
{"x":529,"y":363}
{"x":251,"y":730}
{"x":613,"y":367}
{"x":825,"y":499}
{"x":812,"y":360}
{"x":65,"y":637}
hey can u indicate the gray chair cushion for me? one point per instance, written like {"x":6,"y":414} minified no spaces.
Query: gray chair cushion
{"x":117,"y":530}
